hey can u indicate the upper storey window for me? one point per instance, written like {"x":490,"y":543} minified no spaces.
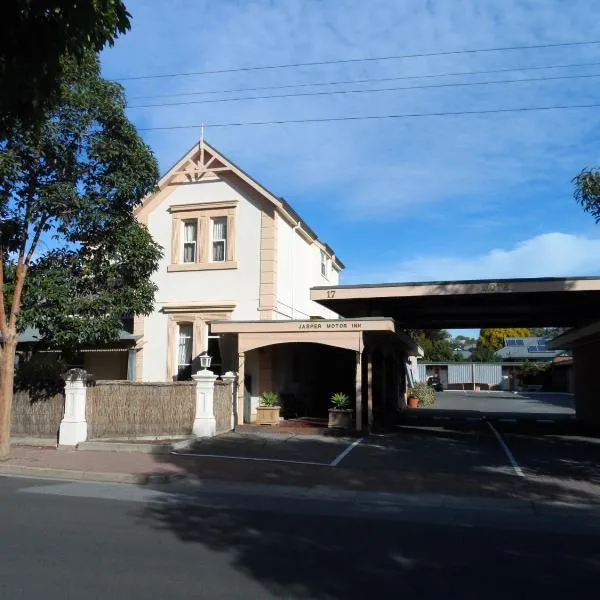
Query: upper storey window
{"x":203,"y":236}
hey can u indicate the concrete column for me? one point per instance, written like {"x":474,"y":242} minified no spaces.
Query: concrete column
{"x":241,"y":387}
{"x":230,"y":377}
{"x":358,"y":383}
{"x":205,"y":424}
{"x":369,"y":391}
{"x":131,"y":364}
{"x":73,"y":427}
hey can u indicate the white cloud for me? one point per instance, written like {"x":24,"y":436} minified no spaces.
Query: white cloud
{"x":546,"y":255}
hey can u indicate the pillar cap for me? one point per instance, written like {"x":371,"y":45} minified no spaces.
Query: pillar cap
{"x":75,"y":375}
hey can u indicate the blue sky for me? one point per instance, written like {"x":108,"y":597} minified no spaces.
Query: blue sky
{"x":409,"y":199}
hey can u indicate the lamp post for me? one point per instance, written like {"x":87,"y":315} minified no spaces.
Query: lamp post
{"x":205,"y":360}
{"x":204,"y":420}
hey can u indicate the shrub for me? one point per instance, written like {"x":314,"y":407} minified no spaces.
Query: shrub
{"x":424,"y":393}
{"x":269,"y":399}
{"x":340,"y":401}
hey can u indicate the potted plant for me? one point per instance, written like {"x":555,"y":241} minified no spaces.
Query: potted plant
{"x":340,"y":413}
{"x":267,"y":412}
{"x":412,"y":400}
{"x":424,"y":395}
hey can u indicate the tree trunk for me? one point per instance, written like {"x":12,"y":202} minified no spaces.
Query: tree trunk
{"x":7,"y":375}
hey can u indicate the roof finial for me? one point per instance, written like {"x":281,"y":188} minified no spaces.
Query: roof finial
{"x":202,"y":134}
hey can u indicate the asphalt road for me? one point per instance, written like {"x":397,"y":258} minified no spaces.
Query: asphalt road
{"x":83,"y":540}
{"x":507,"y":402}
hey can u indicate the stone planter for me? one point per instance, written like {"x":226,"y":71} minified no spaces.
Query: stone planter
{"x":267,"y":415}
{"x":340,"y":418}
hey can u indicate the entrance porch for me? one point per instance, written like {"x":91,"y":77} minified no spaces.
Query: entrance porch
{"x":305,"y":362}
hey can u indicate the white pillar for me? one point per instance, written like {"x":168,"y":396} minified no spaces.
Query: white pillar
{"x":230,"y":377}
{"x":73,"y":427}
{"x":205,"y":424}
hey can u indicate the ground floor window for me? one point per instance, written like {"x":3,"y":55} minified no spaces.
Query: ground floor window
{"x":185,"y":344}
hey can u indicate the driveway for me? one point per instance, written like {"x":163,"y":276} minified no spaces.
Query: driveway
{"x":530,"y":402}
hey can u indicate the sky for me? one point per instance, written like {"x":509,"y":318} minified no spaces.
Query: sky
{"x":410,"y":199}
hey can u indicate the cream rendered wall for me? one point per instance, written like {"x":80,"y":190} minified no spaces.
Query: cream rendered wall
{"x":239,"y":285}
{"x":299,"y":269}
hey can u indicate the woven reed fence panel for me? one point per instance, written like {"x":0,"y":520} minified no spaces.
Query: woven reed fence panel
{"x":119,"y":409}
{"x":40,"y":418}
{"x":223,"y":406}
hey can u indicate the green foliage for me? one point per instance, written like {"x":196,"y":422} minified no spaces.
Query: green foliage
{"x":531,"y":369}
{"x":484,"y":354}
{"x":36,"y":35}
{"x":424,"y":393}
{"x":40,"y":376}
{"x":549,"y":333}
{"x":269,"y":399}
{"x":494,"y":337}
{"x":74,"y":181}
{"x":340,"y":401}
{"x":587,"y":191}
{"x":436,"y":345}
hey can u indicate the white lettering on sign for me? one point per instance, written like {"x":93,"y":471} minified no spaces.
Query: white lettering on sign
{"x":335,"y":325}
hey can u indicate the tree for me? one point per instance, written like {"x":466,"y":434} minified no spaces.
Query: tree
{"x":548,"y":333}
{"x":587,"y":191}
{"x":484,"y":354}
{"x":436,"y":345}
{"x":73,"y":259}
{"x":34,"y":37}
{"x":494,"y":338}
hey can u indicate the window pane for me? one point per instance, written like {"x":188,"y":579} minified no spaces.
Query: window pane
{"x":189,"y":252}
{"x":220,"y":229}
{"x":190,"y":230}
{"x":218,"y":251}
{"x":185,"y":344}
{"x":184,"y":351}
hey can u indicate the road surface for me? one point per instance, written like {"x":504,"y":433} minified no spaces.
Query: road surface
{"x":506,"y":402}
{"x":62,"y":540}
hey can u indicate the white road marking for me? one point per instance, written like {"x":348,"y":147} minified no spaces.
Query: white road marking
{"x":252,"y":458}
{"x":340,"y":457}
{"x":511,"y":458}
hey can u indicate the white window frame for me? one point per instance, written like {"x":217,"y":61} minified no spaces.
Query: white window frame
{"x":213,"y":240}
{"x":194,"y":222}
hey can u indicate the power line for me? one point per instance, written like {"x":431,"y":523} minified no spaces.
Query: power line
{"x":372,"y":80}
{"x":375,"y":117}
{"x":359,"y":60}
{"x":363,"y":91}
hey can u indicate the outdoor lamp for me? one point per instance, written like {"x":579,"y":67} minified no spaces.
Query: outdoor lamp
{"x":205,"y":360}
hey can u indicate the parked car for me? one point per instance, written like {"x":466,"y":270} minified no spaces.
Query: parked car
{"x":435,"y":383}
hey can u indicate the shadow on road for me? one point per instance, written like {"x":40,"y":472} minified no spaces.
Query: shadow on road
{"x":340,"y":558}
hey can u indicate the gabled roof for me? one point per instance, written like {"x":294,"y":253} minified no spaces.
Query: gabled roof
{"x":205,"y":159}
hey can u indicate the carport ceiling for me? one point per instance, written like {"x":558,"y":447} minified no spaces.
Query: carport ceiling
{"x":534,"y":302}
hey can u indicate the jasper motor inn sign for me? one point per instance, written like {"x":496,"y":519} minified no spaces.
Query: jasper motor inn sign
{"x":331,"y":325}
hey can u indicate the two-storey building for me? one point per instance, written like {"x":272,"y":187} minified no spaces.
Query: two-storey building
{"x":232,"y":251}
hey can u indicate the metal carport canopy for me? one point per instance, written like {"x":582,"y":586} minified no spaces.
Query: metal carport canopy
{"x":530,"y":302}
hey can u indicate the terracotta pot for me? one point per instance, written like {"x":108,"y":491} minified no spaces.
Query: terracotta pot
{"x":413,"y":403}
{"x":267,"y":415}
